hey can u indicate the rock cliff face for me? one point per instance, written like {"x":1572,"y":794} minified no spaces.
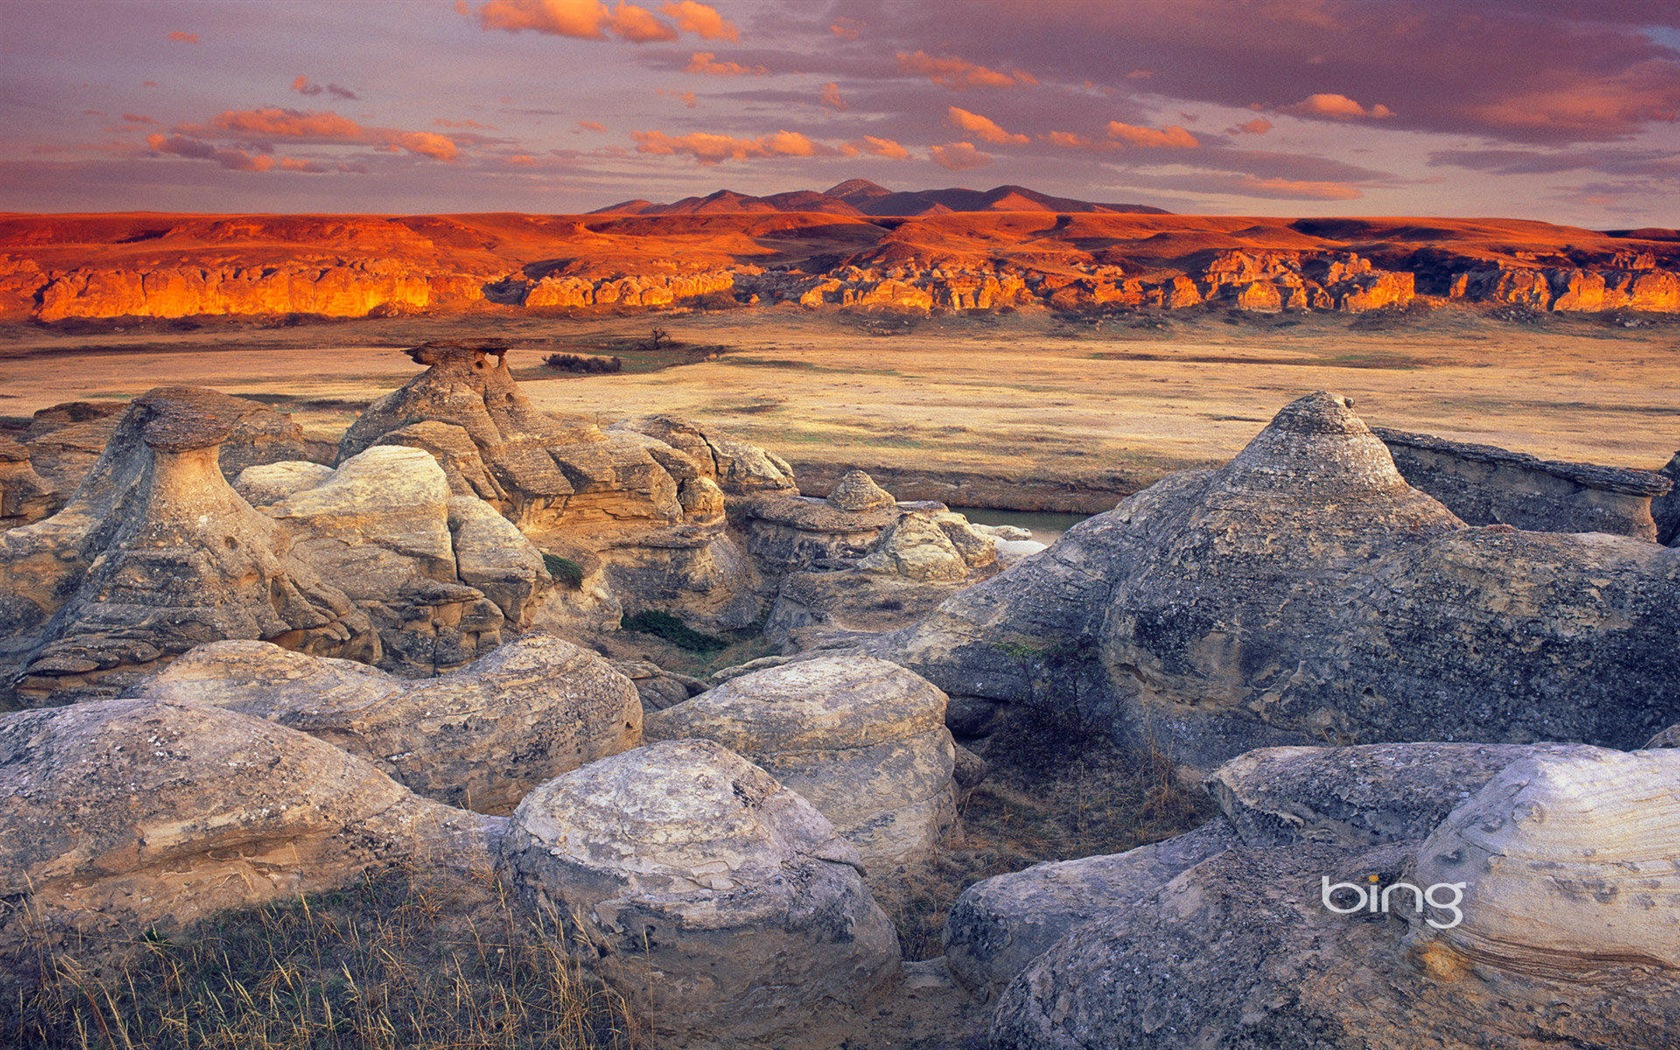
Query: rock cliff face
{"x":1306,"y":593}
{"x":54,"y":268}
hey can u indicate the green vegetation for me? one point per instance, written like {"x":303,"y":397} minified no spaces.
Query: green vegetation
{"x":563,"y":570}
{"x":664,"y":625}
{"x":395,"y":961}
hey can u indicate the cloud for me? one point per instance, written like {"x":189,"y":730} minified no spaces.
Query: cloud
{"x":687,"y":98}
{"x":579,"y":19}
{"x":137,"y":118}
{"x":183,"y":38}
{"x":708,"y":148}
{"x":272,"y":122}
{"x":1292,"y":189}
{"x":957,"y":74}
{"x":591,"y":125}
{"x":232,"y":159}
{"x":882,"y":148}
{"x":707,"y":64}
{"x":1257,"y":126}
{"x":305,"y":86}
{"x":1069,"y":140}
{"x":701,"y":20}
{"x":983,"y":128}
{"x":1171,"y":137}
{"x":831,"y":97}
{"x":847,"y":28}
{"x":959,"y":156}
{"x":1337,"y":107}
{"x":465,"y":125}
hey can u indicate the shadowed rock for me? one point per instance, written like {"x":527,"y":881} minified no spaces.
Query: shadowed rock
{"x":710,"y":896}
{"x":1304,"y":593}
{"x":478,"y":738}
{"x":25,"y":496}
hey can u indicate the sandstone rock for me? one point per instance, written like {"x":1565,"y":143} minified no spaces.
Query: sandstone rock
{"x":857,"y":491}
{"x":125,"y":816}
{"x":380,"y":526}
{"x":355,"y":288}
{"x":1669,"y":737}
{"x":800,"y":532}
{"x":916,"y":548}
{"x":273,"y":482}
{"x":713,"y":898}
{"x":157,"y":554}
{"x":25,"y":496}
{"x":998,"y":926}
{"x":862,"y":739}
{"x":658,"y":687}
{"x":1305,"y":593}
{"x":478,"y":738}
{"x":494,"y":557}
{"x":1665,"y":509}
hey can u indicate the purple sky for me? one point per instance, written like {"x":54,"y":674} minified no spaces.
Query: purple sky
{"x":1526,"y":108}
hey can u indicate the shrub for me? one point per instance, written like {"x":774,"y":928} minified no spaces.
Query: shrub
{"x":664,"y":625}
{"x":584,"y":363}
{"x":564,"y":570}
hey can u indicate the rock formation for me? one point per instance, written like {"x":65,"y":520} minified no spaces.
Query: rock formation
{"x":478,"y":738}
{"x":861,"y":739}
{"x":1551,"y":884}
{"x":1665,"y":509}
{"x":1306,"y":593}
{"x":154,"y":555}
{"x":25,"y":496}
{"x":1485,"y":485}
{"x":717,"y":901}
{"x":124,"y":816}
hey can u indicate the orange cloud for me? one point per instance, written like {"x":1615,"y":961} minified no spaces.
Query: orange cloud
{"x":1296,"y":189}
{"x":959,"y":156}
{"x":522,"y":160}
{"x":846,"y":28}
{"x":701,"y":20}
{"x":1336,"y":107}
{"x":983,"y":128}
{"x":707,"y":148}
{"x":957,"y":73}
{"x":464,"y":125}
{"x":687,"y":98}
{"x":590,"y":125}
{"x":580,"y":19}
{"x":1257,"y":126}
{"x":232,"y":159}
{"x":1068,"y":140}
{"x":299,"y":125}
{"x":136,"y":118}
{"x":1172,"y":137}
{"x":183,"y":38}
{"x":707,"y":64}
{"x":831,"y":97}
{"x":882,"y":148}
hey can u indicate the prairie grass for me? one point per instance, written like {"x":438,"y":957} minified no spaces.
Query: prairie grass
{"x":399,"y":960}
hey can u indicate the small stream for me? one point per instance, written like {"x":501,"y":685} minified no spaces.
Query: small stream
{"x":1047,"y":527}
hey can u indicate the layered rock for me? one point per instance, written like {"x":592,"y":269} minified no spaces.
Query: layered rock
{"x":126,"y":816}
{"x":154,"y":555}
{"x":478,"y":738}
{"x":1305,"y":592}
{"x":1665,"y":509}
{"x":347,"y":288}
{"x":713,"y":898}
{"x":25,"y":496}
{"x":862,"y":739}
{"x":1552,"y":884}
{"x":1485,"y":485}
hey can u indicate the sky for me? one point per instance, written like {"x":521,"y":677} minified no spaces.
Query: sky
{"x":1543,"y":109}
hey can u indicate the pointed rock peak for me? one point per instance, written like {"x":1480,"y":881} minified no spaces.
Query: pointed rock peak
{"x":858,"y":491}
{"x":1316,"y":445}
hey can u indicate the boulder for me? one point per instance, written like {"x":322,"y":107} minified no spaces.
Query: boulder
{"x":478,"y":738}
{"x":862,"y":739}
{"x":1305,"y":593}
{"x":717,"y":901}
{"x":154,"y":555}
{"x":658,"y":687}
{"x":1552,"y":885}
{"x":127,"y":816}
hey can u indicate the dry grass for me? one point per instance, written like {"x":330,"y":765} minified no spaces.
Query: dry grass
{"x":399,"y":960}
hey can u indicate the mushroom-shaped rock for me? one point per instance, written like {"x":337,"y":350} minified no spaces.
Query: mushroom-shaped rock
{"x":862,"y":739}
{"x":479,"y":737}
{"x":717,"y":901}
{"x":128,"y":815}
{"x":157,"y":554}
{"x":858,"y":491}
{"x":1567,"y":863}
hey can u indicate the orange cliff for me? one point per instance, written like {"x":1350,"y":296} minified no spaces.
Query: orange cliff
{"x":54,"y":267}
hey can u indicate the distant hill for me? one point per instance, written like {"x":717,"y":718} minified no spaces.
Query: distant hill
{"x":862,"y":197}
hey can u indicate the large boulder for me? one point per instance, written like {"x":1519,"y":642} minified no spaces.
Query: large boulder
{"x":717,"y":901}
{"x":154,"y":555}
{"x":478,"y":738}
{"x":1305,"y":593}
{"x":862,"y":739}
{"x":125,"y":816}
{"x":1552,"y":885}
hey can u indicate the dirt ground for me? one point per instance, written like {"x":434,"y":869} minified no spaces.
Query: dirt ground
{"x":1005,"y":393}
